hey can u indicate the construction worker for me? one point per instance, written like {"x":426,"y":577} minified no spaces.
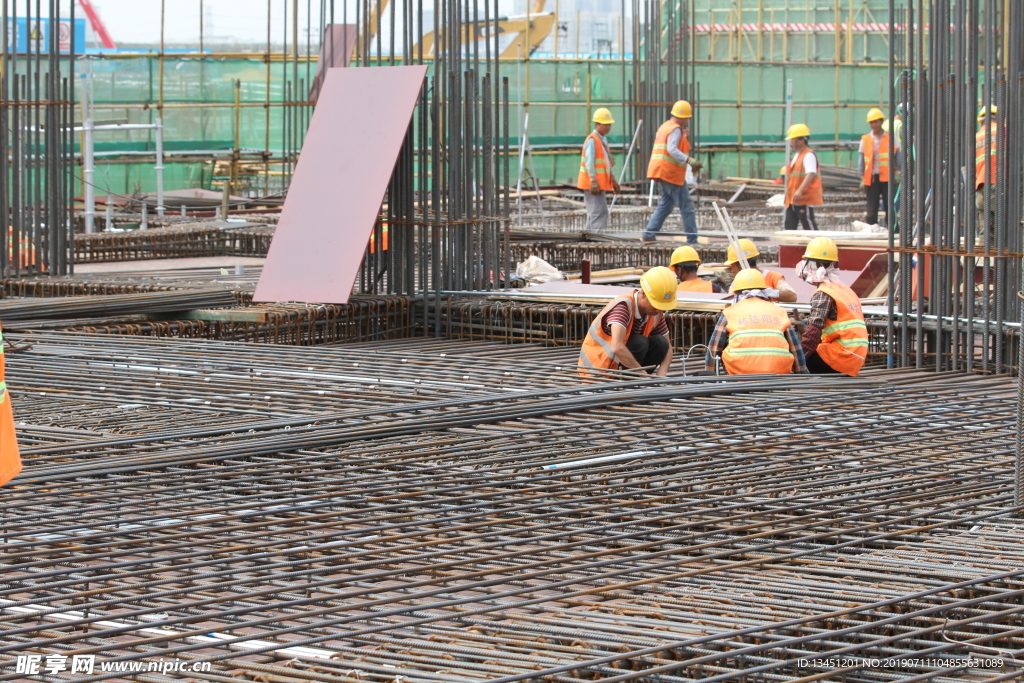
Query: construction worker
{"x":835,"y":338}
{"x":595,"y":177}
{"x":781,"y":180}
{"x":985,"y":168}
{"x":669,"y":161}
{"x":773,"y":278}
{"x":684,"y":263}
{"x":631,"y":332}
{"x":873,"y":166}
{"x":804,"y":190}
{"x":753,"y":336}
{"x":10,"y":459}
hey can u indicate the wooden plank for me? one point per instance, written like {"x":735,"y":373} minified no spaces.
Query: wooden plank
{"x":228,"y":315}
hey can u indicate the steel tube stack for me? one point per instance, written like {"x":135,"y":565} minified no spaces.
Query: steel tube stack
{"x":36,"y":138}
{"x":952,"y":260}
{"x":444,"y":221}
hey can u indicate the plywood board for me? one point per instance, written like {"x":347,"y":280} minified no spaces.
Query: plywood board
{"x":335,"y":51}
{"x":343,"y":171}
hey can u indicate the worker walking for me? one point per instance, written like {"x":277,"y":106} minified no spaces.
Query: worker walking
{"x":631,"y":332}
{"x":804,"y":190}
{"x":669,"y":161}
{"x":773,"y":278}
{"x":985,"y":170}
{"x":873,"y":166}
{"x":835,"y":338}
{"x":595,"y":176}
{"x":754,"y":336}
{"x":684,"y":263}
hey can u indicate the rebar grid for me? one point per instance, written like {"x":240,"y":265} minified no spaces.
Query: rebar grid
{"x":448,"y":511}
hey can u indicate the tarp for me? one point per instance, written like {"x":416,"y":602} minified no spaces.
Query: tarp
{"x":335,"y":51}
{"x":339,"y":183}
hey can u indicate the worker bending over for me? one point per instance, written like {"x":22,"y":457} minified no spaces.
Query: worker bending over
{"x":773,"y":278}
{"x":595,"y":176}
{"x":669,"y":159}
{"x":753,"y":336}
{"x":804,"y":190}
{"x":873,"y":164}
{"x":631,"y":332}
{"x":685,"y":262}
{"x":835,"y":337}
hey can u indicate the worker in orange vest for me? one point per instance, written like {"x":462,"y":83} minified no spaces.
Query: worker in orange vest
{"x":595,"y":176}
{"x":631,"y":332}
{"x":753,"y":336}
{"x":669,"y":161}
{"x":835,"y":338}
{"x":985,"y":168}
{"x":775,"y":280}
{"x":804,"y":190}
{"x":10,"y":459}
{"x":684,"y":263}
{"x":873,"y":166}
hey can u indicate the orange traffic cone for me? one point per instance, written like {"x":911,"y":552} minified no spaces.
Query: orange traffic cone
{"x":10,"y":459}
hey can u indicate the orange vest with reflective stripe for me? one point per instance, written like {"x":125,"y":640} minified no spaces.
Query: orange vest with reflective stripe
{"x":26,"y":251}
{"x":979,"y":157}
{"x":772,"y":278}
{"x":812,"y":193}
{"x":596,"y":353}
{"x":10,"y":459}
{"x":602,"y":166}
{"x":868,"y":140}
{"x":757,"y":339}
{"x":662,"y":166}
{"x":844,"y":341}
{"x":697,"y":285}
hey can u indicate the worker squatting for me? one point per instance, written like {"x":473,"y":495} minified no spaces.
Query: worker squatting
{"x":675,"y":170}
{"x":754,"y":335}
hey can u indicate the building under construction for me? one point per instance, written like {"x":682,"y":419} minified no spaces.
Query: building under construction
{"x":293,"y":329}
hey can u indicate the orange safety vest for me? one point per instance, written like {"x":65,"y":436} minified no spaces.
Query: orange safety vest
{"x":26,"y":251}
{"x":772,"y":278}
{"x":812,"y":193}
{"x":757,"y":339}
{"x":662,"y":166}
{"x":868,"y":140}
{"x":697,"y":285}
{"x":844,"y":341}
{"x":602,"y":165}
{"x":10,"y":459}
{"x":596,"y":353}
{"x":979,"y":157}
{"x":383,"y":238}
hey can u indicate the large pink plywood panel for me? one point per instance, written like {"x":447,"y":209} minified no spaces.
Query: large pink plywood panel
{"x":350,"y":150}
{"x":335,"y":51}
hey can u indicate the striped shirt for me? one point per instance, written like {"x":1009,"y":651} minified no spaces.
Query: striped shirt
{"x":619,"y":315}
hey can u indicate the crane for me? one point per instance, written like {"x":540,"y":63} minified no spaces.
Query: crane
{"x":97,"y":24}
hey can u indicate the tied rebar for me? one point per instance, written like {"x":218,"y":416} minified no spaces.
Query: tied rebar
{"x":37,"y":95}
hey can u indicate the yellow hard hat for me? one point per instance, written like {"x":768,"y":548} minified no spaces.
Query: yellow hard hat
{"x":659,"y":286}
{"x":782,"y":170}
{"x":682,"y":109}
{"x":822,"y":249}
{"x":602,"y":115}
{"x":684,"y":255}
{"x":749,"y":250}
{"x":993,"y":110}
{"x":798,"y":130}
{"x":875,"y":114}
{"x":751,"y":278}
